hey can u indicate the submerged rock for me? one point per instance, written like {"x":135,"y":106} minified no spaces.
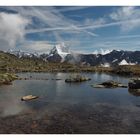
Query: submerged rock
{"x":28,"y":97}
{"x":134,"y":83}
{"x":135,"y":92}
{"x":134,"y":86}
{"x":77,"y":78}
{"x":98,"y":86}
{"x":109,"y":84}
{"x":56,"y":79}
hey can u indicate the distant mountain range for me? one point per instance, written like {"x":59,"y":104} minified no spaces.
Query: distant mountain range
{"x":61,"y":53}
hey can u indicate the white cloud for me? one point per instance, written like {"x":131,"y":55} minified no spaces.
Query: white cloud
{"x":103,"y":52}
{"x":129,"y":14}
{"x":125,"y":25}
{"x":54,"y":19}
{"x":12,"y":30}
{"x":98,"y":21}
{"x":127,"y":18}
{"x":12,"y":27}
{"x":123,"y":13}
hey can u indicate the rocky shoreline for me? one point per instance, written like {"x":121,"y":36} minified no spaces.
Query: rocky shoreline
{"x":7,"y":78}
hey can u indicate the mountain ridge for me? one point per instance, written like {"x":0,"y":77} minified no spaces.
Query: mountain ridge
{"x":60,"y":53}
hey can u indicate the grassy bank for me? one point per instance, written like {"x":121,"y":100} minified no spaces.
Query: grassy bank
{"x":127,"y":70}
{"x":7,"y":78}
{"x":12,"y":64}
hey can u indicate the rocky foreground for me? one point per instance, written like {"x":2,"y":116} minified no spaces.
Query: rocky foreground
{"x":76,"y":119}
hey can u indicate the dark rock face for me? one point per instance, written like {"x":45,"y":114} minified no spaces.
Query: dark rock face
{"x":90,"y":59}
{"x":85,"y":59}
{"x":44,"y":56}
{"x":54,"y":58}
{"x":74,"y":59}
{"x":113,"y":58}
{"x":134,"y":56}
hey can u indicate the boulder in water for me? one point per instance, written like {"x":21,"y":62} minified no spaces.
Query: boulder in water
{"x":28,"y":97}
{"x":134,"y":83}
{"x":109,"y":84}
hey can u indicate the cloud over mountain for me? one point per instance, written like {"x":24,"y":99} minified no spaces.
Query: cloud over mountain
{"x":12,"y":30}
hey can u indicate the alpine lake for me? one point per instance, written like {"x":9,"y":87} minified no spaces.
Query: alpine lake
{"x":68,"y":108}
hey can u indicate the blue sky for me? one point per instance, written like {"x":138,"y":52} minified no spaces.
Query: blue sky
{"x":83,"y":29}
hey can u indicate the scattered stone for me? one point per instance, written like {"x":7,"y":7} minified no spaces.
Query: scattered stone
{"x":77,"y":78}
{"x":109,"y":84}
{"x":98,"y":86}
{"x":28,"y":97}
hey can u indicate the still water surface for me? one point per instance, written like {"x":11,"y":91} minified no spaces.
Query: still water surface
{"x":55,"y":95}
{"x":68,"y":108}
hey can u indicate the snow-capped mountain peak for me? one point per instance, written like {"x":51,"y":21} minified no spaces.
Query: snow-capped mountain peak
{"x":124,"y":62}
{"x":21,"y":54}
{"x":105,"y":58}
{"x":60,"y":49}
